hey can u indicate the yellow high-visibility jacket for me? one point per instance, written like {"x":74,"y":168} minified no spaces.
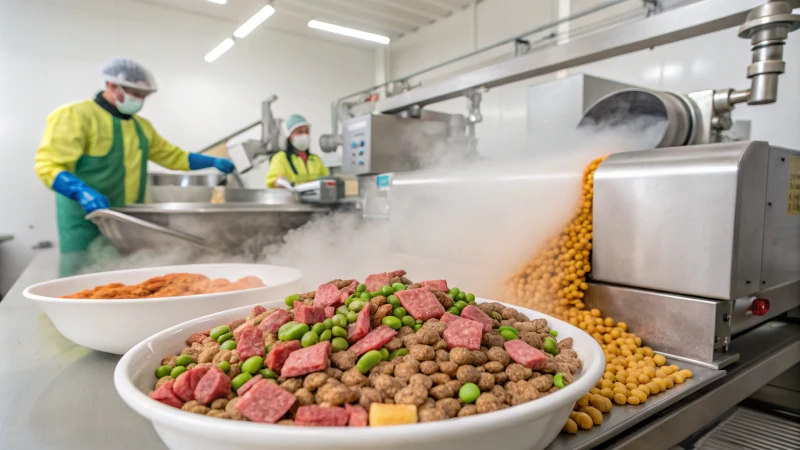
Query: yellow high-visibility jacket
{"x":302,"y":173}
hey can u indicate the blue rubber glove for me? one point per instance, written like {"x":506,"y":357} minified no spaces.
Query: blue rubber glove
{"x":198,"y":161}
{"x":72,"y":187}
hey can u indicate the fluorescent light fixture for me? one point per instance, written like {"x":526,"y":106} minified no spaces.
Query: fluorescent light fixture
{"x":348,"y":32}
{"x":219,"y":50}
{"x":251,"y":24}
{"x":219,"y":2}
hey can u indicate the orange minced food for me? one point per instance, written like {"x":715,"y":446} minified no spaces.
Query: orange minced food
{"x":170,"y":285}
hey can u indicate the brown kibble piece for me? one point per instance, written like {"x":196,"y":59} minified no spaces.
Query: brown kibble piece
{"x":207,"y":355}
{"x":455,"y":385}
{"x":542,"y":383}
{"x":314,"y":381}
{"x":443,"y":298}
{"x":292,"y":384}
{"x":441,"y":345}
{"x":411,"y":395}
{"x":409,"y":340}
{"x":368,"y":397}
{"x":486,"y":382}
{"x":439,"y":378}
{"x":422,"y":352}
{"x":450,"y":406}
{"x":499,"y":355}
{"x":492,"y":339}
{"x":304,"y":397}
{"x":394,"y":344}
{"x":564,"y":344}
{"x":468,"y":410}
{"x":442,"y":356}
{"x":163,"y":380}
{"x":404,"y":331}
{"x":354,"y":377}
{"x":468,"y":374}
{"x":421,"y":380}
{"x":441,"y":391}
{"x":500,"y":378}
{"x":531,"y":338}
{"x":375,"y":303}
{"x":219,"y":403}
{"x":380,"y":313}
{"x":218,"y":413}
{"x":230,"y":408}
{"x":431,"y":414}
{"x":460,"y":356}
{"x":448,"y":368}
{"x":335,"y":394}
{"x":427,"y":336}
{"x":517,"y":372}
{"x":405,"y":370}
{"x":385,"y":367}
{"x":195,"y":407}
{"x":493,"y":367}
{"x":487,"y":403}
{"x":428,"y":367}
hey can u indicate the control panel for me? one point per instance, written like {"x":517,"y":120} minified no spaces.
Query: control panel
{"x":356,"y":139}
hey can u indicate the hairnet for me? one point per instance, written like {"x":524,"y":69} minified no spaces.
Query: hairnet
{"x":127,"y":72}
{"x":294,"y":122}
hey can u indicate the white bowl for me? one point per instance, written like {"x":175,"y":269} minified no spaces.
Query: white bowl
{"x":532,"y":425}
{"x":114,"y":326}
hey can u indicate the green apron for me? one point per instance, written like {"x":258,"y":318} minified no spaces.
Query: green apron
{"x":106,"y":174}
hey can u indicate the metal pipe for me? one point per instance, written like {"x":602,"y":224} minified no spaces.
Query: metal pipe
{"x":235,"y":133}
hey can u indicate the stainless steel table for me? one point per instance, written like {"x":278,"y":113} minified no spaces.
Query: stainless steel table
{"x":55,"y":394}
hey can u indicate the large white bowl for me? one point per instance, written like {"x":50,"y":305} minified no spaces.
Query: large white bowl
{"x":114,"y":326}
{"x":532,"y":425}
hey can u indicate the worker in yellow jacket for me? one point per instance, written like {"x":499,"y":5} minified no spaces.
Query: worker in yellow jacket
{"x":95,"y":152}
{"x":295,"y":164}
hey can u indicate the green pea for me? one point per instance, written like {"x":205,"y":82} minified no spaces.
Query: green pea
{"x":469,"y":392}
{"x":366,"y":296}
{"x":339,"y":344}
{"x":290,"y":299}
{"x":558,"y":380}
{"x":343,"y":310}
{"x":454,"y":310}
{"x":328,"y":323}
{"x":318,"y":328}
{"x":496,"y":316}
{"x":508,"y":335}
{"x":470,"y":298}
{"x":417,"y":327}
{"x":549,"y":347}
{"x":398,"y":352}
{"x":326,"y":335}
{"x":408,"y":321}
{"x":338,"y":331}
{"x":339,"y":320}
{"x":399,"y":287}
{"x":309,"y":339}
{"x":230,"y":344}
{"x":361,"y":287}
{"x":268,"y":373}
{"x":419,"y":321}
{"x":224,"y":337}
{"x":177,"y":370}
{"x":392,"y":322}
{"x":551,"y":340}
{"x":461,"y":296}
{"x":473,"y":303}
{"x":399,"y":312}
{"x":460,"y":305}
{"x":225,"y":366}
{"x":453,"y":292}
{"x":219,"y":331}
{"x":356,"y":305}
{"x":393,"y":300}
{"x":284,"y":328}
{"x":387,"y":290}
{"x":294,"y":333}
{"x":368,"y":360}
{"x":253,"y":364}
{"x":239,"y":380}
{"x":184,"y":360}
{"x":352,"y":316}
{"x":269,"y":347}
{"x":553,"y":333}
{"x":511,"y":329}
{"x":348,"y":300}
{"x":375,"y":293}
{"x":163,"y":371}
{"x":384,"y":354}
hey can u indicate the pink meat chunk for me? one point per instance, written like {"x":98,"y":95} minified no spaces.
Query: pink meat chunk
{"x":463,"y":333}
{"x":237,"y":333}
{"x":197,"y":337}
{"x":308,"y":314}
{"x":251,"y":343}
{"x":165,"y":395}
{"x":524,"y":354}
{"x":398,"y":273}
{"x":186,"y":383}
{"x":274,"y":321}
{"x":474,"y":313}
{"x":420,"y":303}
{"x":214,"y":384}
{"x":376,"y":339}
{"x":248,"y":384}
{"x":328,"y":295}
{"x":258,"y":309}
{"x":439,"y":285}
{"x":319,"y":416}
{"x":307,"y":360}
{"x":357,"y":415}
{"x":276,"y":358}
{"x":330,"y":311}
{"x":266,"y":402}
{"x":377,"y":281}
{"x":449,"y":318}
{"x":360,"y":328}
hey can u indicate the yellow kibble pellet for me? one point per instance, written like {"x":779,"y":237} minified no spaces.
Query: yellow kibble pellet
{"x":631,"y":379}
{"x":649,"y":371}
{"x":611,"y":368}
{"x":615,"y":333}
{"x":609,"y":322}
{"x":631,"y":342}
{"x":620,"y":390}
{"x":584,"y":401}
{"x":609,"y":376}
{"x":620,"y":368}
{"x":570,"y":427}
{"x":626,"y":353}
{"x":633,"y":400}
{"x":667,"y":370}
{"x":640,"y":394}
{"x":686,"y":373}
{"x":643,"y":379}
{"x":623,"y":326}
{"x":607,"y":338}
{"x":620,"y":399}
{"x":595,"y":312}
{"x":678,"y":378}
{"x":594,"y":413}
{"x":582,"y":419}
{"x":637,"y":341}
{"x":594,"y":390}
{"x":605,"y":384}
{"x":649,"y":352}
{"x":622,"y":374}
{"x":661,"y":374}
{"x":660,"y":360}
{"x":654,"y":387}
{"x":607,"y":392}
{"x":674,"y":367}
{"x":639,"y":352}
{"x":670,"y":384}
{"x":662,"y":385}
{"x":631,"y":386}
{"x":645,"y":389}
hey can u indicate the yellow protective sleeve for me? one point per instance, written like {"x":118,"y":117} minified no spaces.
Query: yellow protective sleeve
{"x":161,"y":151}
{"x":279,"y":167}
{"x":61,"y":146}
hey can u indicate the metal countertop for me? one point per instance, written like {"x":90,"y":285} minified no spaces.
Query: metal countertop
{"x":59,"y":395}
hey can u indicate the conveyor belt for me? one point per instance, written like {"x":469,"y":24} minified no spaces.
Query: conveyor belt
{"x":750,"y":429}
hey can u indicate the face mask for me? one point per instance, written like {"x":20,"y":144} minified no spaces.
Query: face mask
{"x":129,"y":105}
{"x":301,"y":142}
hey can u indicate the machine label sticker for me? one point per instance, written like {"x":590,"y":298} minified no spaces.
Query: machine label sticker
{"x":383,"y":181}
{"x":793,"y":205}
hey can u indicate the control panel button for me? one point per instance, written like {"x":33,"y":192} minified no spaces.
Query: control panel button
{"x":353,"y":144}
{"x":361,"y":161}
{"x":360,"y":152}
{"x":363,"y":143}
{"x":759,"y":307}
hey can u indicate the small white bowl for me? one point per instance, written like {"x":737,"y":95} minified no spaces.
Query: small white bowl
{"x":114,"y":326}
{"x":532,"y":425}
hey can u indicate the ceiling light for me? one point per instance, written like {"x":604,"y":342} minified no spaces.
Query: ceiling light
{"x":219,"y":2}
{"x":348,"y":32}
{"x":219,"y":50}
{"x":251,"y":24}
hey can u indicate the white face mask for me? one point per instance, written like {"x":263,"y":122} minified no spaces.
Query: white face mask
{"x":129,"y":105}
{"x":301,"y":142}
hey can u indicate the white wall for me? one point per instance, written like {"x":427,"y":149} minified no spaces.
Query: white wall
{"x":712,"y":61}
{"x":51,"y":52}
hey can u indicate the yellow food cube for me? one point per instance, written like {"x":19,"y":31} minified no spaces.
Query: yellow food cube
{"x":381,"y":414}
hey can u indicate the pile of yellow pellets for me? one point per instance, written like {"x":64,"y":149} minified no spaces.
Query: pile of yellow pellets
{"x":554,"y":282}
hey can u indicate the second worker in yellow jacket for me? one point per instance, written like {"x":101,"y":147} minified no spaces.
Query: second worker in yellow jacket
{"x":296,"y":164}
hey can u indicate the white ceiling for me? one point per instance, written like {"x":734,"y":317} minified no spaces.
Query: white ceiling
{"x":392,"y":18}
